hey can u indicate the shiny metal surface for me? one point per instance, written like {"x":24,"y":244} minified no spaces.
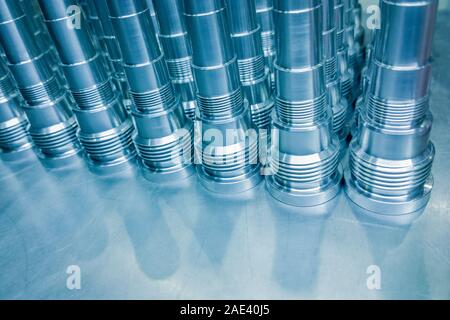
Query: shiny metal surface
{"x":114,"y":54}
{"x":391,"y":157}
{"x":304,"y":174}
{"x":14,"y":137}
{"x":354,"y":48}
{"x":345,"y":74}
{"x":177,"y":51}
{"x":246,"y":37}
{"x":164,"y":135}
{"x":48,"y":105}
{"x":106,"y":129}
{"x":264,"y":14}
{"x":339,"y":105}
{"x":228,"y":140}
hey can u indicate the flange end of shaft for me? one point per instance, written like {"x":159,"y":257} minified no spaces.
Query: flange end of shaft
{"x":387,"y":211}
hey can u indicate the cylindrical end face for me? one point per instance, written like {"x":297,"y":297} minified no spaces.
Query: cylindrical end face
{"x":134,"y":30}
{"x":406,"y":32}
{"x":242,"y":14}
{"x":207,"y":25}
{"x":300,"y":22}
{"x":170,"y":16}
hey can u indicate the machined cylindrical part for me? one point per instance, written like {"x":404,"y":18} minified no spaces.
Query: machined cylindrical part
{"x":154,"y":21}
{"x":229,"y":144}
{"x":264,"y":14}
{"x":391,"y":158}
{"x":246,"y":37}
{"x":164,"y":135}
{"x":176,"y":45}
{"x":305,"y":151}
{"x":14,"y":137}
{"x":345,"y":74}
{"x":114,"y":53}
{"x":48,"y":105}
{"x":354,"y":49}
{"x":339,"y":105}
{"x":105,"y":128}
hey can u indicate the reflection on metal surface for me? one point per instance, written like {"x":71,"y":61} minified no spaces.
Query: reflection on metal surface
{"x":391,"y":158}
{"x":52,"y":124}
{"x":229,"y":142}
{"x":177,"y":51}
{"x":105,"y":128}
{"x":304,"y":174}
{"x":164,"y":135}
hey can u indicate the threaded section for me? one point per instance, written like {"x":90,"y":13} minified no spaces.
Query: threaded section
{"x":101,"y":94}
{"x":339,"y":121}
{"x":268,"y":42}
{"x":235,"y":161}
{"x":221,"y":106}
{"x":304,"y":111}
{"x":154,"y":101}
{"x":46,"y":91}
{"x":15,"y":136}
{"x":51,"y":143}
{"x":251,"y":69}
{"x":395,"y":112}
{"x":159,"y":156}
{"x":392,"y":178}
{"x":111,"y":146}
{"x":312,"y":172}
{"x":340,"y":39}
{"x":189,"y":110}
{"x":6,"y":87}
{"x":261,"y":114}
{"x":180,"y":69}
{"x":346,"y":89}
{"x":330,"y":70}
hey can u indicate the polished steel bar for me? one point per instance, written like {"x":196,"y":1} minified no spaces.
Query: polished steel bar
{"x":389,"y":174}
{"x":339,"y":105}
{"x":114,"y":54}
{"x":106,"y":130}
{"x":228,"y":148}
{"x":264,"y":14}
{"x":246,"y":37}
{"x":345,"y":74}
{"x":305,"y":151}
{"x":175,"y":42}
{"x":164,"y":135}
{"x":48,"y":105}
{"x":14,"y":137}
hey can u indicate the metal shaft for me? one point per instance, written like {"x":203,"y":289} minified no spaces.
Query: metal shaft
{"x":354,"y":49}
{"x":391,"y":158}
{"x":114,"y":54}
{"x":264,"y":14}
{"x":164,"y":135}
{"x":52,"y":124}
{"x":229,"y":143}
{"x":345,"y":74}
{"x":304,"y":152}
{"x":339,"y":104}
{"x":154,"y":21}
{"x":105,"y":127}
{"x":14,"y":136}
{"x":246,"y":37}
{"x":177,"y":51}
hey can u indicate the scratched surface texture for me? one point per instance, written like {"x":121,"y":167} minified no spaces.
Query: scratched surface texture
{"x":134,"y":239}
